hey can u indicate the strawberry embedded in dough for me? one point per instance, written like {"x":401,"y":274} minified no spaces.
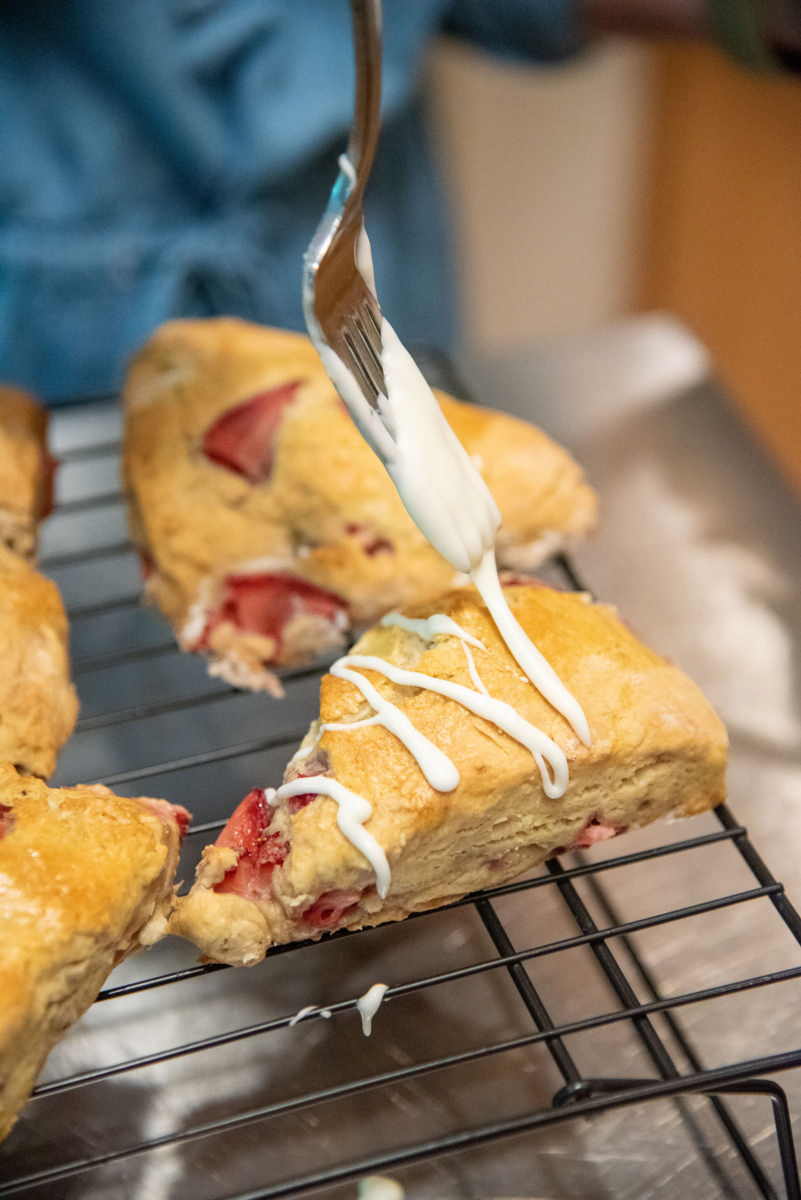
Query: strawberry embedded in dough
{"x":46,"y":499}
{"x":331,"y":910}
{"x":167,"y":812}
{"x":147,"y":563}
{"x":296,"y":803}
{"x":6,"y":819}
{"x":243,"y":438}
{"x":267,"y":604}
{"x":596,"y":830}
{"x":260,"y":852}
{"x":372,"y":543}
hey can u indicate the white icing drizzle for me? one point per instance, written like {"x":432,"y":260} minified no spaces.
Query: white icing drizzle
{"x":428,"y":628}
{"x":435,"y":765}
{"x":369,"y":1004}
{"x":379,"y":1187}
{"x":352,"y":812}
{"x":449,"y":501}
{"x":303,"y":1012}
{"x":436,"y":479}
{"x":439,"y":485}
{"x":478,"y":682}
{"x":545,"y":751}
{"x":307,"y":1011}
{"x":536,"y":667}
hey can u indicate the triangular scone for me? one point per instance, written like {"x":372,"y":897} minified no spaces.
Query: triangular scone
{"x":38,"y":704}
{"x":26,"y":470}
{"x":283,"y":869}
{"x":85,"y":878}
{"x":267,"y":526}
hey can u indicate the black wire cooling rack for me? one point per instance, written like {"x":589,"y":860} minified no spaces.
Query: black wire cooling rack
{"x":614,"y":1025}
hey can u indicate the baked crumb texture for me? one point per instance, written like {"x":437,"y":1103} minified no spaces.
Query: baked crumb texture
{"x":268,"y":529}
{"x":26,"y":477}
{"x":38,"y":703}
{"x":85,"y":878}
{"x":288,"y":873}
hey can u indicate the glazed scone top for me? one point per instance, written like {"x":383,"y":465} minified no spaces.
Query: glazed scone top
{"x":287,"y":866}
{"x":634,"y":700}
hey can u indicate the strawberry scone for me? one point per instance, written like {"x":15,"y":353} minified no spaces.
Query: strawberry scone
{"x":267,"y":527}
{"x":85,"y":878}
{"x":26,"y":470}
{"x":38,"y":704}
{"x":437,"y":769}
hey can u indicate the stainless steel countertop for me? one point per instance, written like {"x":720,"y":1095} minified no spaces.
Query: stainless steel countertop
{"x":699,"y":546}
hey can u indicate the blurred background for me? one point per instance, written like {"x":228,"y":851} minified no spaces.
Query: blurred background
{"x":576,"y":195}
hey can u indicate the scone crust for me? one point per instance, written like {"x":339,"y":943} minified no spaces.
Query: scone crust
{"x":641,"y":710}
{"x":38,"y":704}
{"x":25,"y":477}
{"x":328,"y":513}
{"x":85,"y":877}
{"x":657,"y":749}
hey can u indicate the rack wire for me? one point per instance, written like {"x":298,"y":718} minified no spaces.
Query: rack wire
{"x":577,"y":1032}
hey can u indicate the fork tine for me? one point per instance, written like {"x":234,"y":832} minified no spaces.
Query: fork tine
{"x":361,"y":339}
{"x":370,"y":333}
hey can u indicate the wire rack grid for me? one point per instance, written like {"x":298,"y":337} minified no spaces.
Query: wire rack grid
{"x":540,"y":1038}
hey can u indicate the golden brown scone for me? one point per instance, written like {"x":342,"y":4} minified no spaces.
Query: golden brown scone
{"x":38,"y":704}
{"x":26,"y":470}
{"x":268,"y":527}
{"x":284,"y":870}
{"x":85,"y":878}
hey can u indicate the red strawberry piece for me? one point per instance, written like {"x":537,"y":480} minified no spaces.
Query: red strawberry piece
{"x":596,"y":830}
{"x":296,"y":803}
{"x":316,"y":763}
{"x":170,"y":812}
{"x":48,"y":485}
{"x":260,"y":851}
{"x":331,"y":909}
{"x":242,"y":438}
{"x":266,"y":604}
{"x":147,"y":563}
{"x":372,"y":543}
{"x":6,"y":819}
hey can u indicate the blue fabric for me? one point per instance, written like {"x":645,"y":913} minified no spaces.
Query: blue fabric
{"x":173,"y":157}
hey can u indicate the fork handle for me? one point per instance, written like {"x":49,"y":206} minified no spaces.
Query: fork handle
{"x":366,"y":16}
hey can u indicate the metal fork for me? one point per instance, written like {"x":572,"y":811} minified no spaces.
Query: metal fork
{"x":340,"y":305}
{"x":398,"y":415}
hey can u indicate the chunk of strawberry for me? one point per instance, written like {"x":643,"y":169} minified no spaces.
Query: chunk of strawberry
{"x":260,"y":851}
{"x":332,"y":908}
{"x":46,"y":498}
{"x":296,"y":803}
{"x":266,"y":604}
{"x":147,"y":564}
{"x":170,"y":812}
{"x":6,"y":819}
{"x":596,"y":830}
{"x":372,"y":543}
{"x":242,"y":438}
